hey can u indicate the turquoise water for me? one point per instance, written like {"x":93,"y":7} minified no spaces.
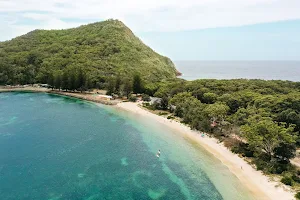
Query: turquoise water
{"x":54,"y":147}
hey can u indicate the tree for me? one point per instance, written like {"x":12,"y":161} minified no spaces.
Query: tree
{"x":72,"y":80}
{"x":164,"y":103}
{"x":285,"y":151}
{"x":216,"y":111}
{"x":146,"y":97}
{"x":57,"y":79}
{"x":290,"y":116}
{"x":181,"y":98}
{"x":242,"y":115}
{"x":137,"y":84}
{"x":132,"y":98}
{"x":89,"y":83}
{"x":198,"y":120}
{"x":198,"y":93}
{"x":32,"y":59}
{"x":81,"y":80}
{"x":266,"y":135}
{"x":50,"y":80}
{"x":230,"y":101}
{"x":192,"y":109}
{"x":209,"y":97}
{"x":29,"y":74}
{"x":110,"y":87}
{"x":118,"y":84}
{"x":126,"y":88}
{"x":65,"y":80}
{"x":42,"y":75}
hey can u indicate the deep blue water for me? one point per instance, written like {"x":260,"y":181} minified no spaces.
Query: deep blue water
{"x":268,"y":70}
{"x":54,"y":147}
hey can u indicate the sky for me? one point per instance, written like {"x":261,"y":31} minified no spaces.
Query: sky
{"x":181,"y":30}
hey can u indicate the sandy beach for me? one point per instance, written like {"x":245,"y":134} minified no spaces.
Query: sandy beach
{"x":257,"y":183}
{"x":84,"y":96}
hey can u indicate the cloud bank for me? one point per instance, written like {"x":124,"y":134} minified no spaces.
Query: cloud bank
{"x":21,"y":16}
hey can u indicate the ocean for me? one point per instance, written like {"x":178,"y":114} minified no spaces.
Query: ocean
{"x":60,"y":148}
{"x":268,"y":70}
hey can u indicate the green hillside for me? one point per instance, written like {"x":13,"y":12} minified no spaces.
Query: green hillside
{"x":101,"y":50}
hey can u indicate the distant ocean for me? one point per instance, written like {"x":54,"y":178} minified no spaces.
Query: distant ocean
{"x":268,"y":70}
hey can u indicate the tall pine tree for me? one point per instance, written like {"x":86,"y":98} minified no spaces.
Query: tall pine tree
{"x":137,"y":84}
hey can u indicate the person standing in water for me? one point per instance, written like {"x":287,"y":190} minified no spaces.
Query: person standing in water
{"x":158,"y":153}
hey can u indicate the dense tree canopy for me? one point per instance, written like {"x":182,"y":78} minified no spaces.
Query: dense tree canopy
{"x":266,"y":135}
{"x":263,"y":114}
{"x":104,"y":50}
{"x":279,"y":100}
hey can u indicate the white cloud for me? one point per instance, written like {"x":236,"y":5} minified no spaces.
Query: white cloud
{"x":140,"y":15}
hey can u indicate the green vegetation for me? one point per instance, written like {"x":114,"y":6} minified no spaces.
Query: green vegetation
{"x":146,"y":97}
{"x":297,"y":195}
{"x":137,"y":86}
{"x":287,"y":181}
{"x":132,"y":98}
{"x":255,"y":118}
{"x":94,"y":53}
{"x":163,"y":113}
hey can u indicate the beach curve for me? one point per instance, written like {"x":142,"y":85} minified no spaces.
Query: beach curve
{"x":259,"y":185}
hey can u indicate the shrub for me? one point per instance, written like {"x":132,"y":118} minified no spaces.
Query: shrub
{"x":260,"y":164}
{"x":238,"y":147}
{"x":151,"y":107}
{"x":297,"y":195}
{"x":230,"y":142}
{"x":155,"y":105}
{"x":146,"y":97}
{"x":170,"y":117}
{"x":162,"y":113}
{"x":278,"y":168}
{"x":287,"y":180}
{"x":235,"y":149}
{"x":132,"y":98}
{"x":296,"y":178}
{"x":146,"y":104}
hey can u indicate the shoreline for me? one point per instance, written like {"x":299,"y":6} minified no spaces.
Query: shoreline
{"x":83,"y":96}
{"x":255,"y":181}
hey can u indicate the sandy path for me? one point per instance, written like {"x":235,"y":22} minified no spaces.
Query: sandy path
{"x":257,"y":183}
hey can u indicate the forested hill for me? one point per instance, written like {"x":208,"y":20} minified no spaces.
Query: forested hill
{"x":101,"y":50}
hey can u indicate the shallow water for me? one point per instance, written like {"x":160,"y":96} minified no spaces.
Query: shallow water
{"x":54,"y":147}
